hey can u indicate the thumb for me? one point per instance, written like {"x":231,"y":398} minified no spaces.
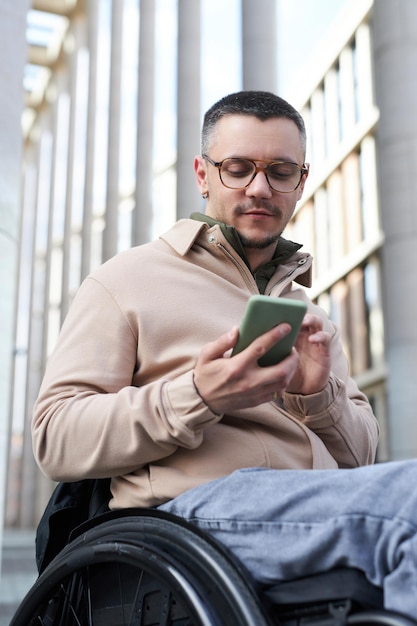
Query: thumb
{"x":217,"y":348}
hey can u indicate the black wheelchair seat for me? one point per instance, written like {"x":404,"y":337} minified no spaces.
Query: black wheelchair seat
{"x":329,"y":595}
{"x":143,"y":567}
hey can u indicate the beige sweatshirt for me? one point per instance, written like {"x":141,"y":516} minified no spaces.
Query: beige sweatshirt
{"x":118,"y":398}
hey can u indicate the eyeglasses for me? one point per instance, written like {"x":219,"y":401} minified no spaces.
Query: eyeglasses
{"x":236,"y":173}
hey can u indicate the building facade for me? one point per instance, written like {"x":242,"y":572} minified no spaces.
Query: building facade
{"x":339,"y":218}
{"x":94,"y":182}
{"x":359,"y":214}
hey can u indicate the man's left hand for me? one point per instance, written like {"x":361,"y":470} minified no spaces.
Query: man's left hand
{"x":313,"y":347}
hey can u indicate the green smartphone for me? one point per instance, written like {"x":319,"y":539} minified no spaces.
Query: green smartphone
{"x":263,"y":313}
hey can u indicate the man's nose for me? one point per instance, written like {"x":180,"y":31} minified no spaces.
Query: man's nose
{"x":259,"y":186}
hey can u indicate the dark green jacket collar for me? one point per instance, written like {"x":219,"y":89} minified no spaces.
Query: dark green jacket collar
{"x":284,"y":250}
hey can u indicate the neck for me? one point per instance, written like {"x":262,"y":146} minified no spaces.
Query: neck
{"x":257,"y":257}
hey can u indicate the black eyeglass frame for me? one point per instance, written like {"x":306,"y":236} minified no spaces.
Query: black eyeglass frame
{"x":303,"y":170}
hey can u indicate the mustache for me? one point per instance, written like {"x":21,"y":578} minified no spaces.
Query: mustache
{"x":240,"y":209}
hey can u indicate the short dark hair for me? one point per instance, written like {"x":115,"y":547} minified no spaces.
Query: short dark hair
{"x":261,"y":104}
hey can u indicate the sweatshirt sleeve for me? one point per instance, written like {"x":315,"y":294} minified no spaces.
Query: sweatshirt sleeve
{"x":340,"y":414}
{"x":89,"y":420}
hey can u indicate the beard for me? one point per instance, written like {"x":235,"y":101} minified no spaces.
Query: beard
{"x":269,"y":239}
{"x":258,"y":244}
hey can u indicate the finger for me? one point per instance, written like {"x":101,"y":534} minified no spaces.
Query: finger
{"x":217,"y":348}
{"x":321,"y":337}
{"x":263,"y":343}
{"x":312,"y":323}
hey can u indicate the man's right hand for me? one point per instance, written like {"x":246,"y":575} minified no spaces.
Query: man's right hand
{"x":228,"y":383}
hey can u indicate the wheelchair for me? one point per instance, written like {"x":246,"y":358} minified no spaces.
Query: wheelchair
{"x":142,"y":567}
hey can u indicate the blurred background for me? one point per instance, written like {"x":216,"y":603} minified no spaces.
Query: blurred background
{"x":100,"y":113}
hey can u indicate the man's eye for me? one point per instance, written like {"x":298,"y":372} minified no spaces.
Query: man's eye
{"x":281,"y":171}
{"x":238,"y":168}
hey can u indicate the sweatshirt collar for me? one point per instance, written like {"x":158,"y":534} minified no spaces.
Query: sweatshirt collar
{"x":185,"y":232}
{"x":284,"y":250}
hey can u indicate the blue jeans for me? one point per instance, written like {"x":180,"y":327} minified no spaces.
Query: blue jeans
{"x":283,"y":524}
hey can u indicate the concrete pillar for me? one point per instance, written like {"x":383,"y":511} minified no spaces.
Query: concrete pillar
{"x":142,"y":227}
{"x":395,"y":58}
{"x":259,"y":48}
{"x":76,"y":136}
{"x":188,"y":105}
{"x":111,"y":230}
{"x":37,"y":201}
{"x":347,"y":92}
{"x":92,"y":44}
{"x":13,"y":31}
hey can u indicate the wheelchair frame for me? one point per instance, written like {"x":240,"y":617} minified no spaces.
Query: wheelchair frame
{"x":147,"y":568}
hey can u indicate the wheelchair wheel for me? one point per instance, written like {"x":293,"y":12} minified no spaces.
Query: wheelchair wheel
{"x":379,"y":618}
{"x":142,"y":569}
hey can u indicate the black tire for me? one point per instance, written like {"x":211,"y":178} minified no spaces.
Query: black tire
{"x":142,"y":568}
{"x":379,"y":618}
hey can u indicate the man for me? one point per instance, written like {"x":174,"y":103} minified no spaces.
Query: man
{"x":142,"y":387}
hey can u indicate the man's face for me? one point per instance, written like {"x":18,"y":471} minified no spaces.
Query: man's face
{"x":258,"y":213}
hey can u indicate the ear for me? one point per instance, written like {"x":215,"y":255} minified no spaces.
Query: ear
{"x":201,"y":174}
